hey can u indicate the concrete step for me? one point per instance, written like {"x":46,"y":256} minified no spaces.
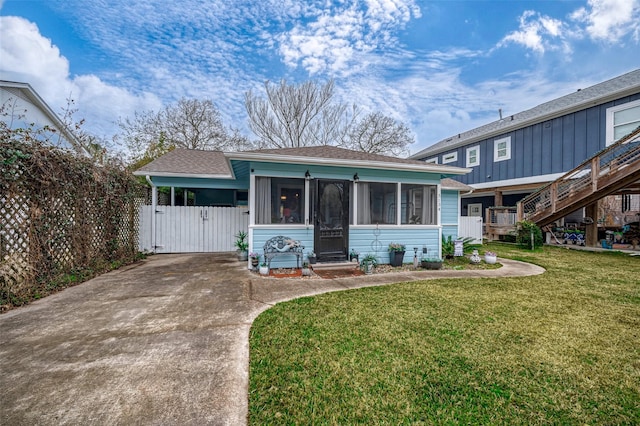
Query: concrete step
{"x":335,"y":265}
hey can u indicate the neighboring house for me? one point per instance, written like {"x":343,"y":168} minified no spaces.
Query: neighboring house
{"x":512,"y":157}
{"x":332,"y":200}
{"x":23,"y":108}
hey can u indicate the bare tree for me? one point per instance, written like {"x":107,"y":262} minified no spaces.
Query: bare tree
{"x":305,"y":114}
{"x":190,"y":123}
{"x":295,"y":115}
{"x":379,"y":134}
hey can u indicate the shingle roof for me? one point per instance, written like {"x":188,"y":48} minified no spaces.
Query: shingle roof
{"x":593,"y":95}
{"x":334,"y":152}
{"x":196,"y":163}
{"x":448,"y":183}
{"x":188,"y":162}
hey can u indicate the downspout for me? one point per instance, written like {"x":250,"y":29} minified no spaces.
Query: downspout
{"x":154,"y":204}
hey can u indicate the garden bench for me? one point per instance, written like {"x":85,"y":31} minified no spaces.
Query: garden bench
{"x":281,"y":245}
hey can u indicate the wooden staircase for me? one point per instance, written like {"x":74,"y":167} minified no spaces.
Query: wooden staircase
{"x":609,"y":171}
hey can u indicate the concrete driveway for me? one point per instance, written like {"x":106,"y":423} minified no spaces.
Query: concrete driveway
{"x":164,"y":341}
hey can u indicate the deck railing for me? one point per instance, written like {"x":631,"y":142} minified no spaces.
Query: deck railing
{"x":595,"y":178}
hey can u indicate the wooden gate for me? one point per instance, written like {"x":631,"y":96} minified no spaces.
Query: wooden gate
{"x":186,"y":229}
{"x":471,"y":226}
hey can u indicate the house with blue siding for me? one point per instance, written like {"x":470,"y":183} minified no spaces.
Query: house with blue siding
{"x":512,"y":157}
{"x":329,"y":199}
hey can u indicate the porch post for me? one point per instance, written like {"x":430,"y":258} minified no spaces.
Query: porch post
{"x":591,"y":237}
{"x":497,"y":199}
{"x":173,"y":196}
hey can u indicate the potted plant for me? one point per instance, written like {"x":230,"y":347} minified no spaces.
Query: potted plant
{"x":475,"y":257}
{"x":448,"y":247}
{"x":353,"y":255}
{"x":431,"y":263}
{"x":396,"y":254}
{"x":490,"y":257}
{"x":368,"y":262}
{"x":242,"y":245}
{"x":264,"y":269}
{"x":312,"y":258}
{"x":255,"y":259}
{"x":306,"y":271}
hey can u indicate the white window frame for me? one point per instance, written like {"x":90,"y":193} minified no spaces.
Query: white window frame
{"x":450,"y":157}
{"x":496,"y":149}
{"x":610,"y":115}
{"x":433,"y":160}
{"x":468,"y":151}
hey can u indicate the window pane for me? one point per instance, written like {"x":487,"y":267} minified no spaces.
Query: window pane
{"x":621,"y":131}
{"x":627,"y":116}
{"x":279,"y":200}
{"x":419,"y":204}
{"x":376,"y":203}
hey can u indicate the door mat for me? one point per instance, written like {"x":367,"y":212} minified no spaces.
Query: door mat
{"x":338,"y":273}
{"x":285,"y":273}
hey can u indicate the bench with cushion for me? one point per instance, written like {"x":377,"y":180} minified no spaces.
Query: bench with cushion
{"x":281,"y":245}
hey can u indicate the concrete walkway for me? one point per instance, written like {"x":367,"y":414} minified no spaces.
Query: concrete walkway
{"x":164,"y":341}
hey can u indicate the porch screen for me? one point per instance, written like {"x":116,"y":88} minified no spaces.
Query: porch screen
{"x":419,"y":204}
{"x":279,"y":200}
{"x":376,"y":203}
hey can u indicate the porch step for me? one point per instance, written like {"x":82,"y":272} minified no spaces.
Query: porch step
{"x":335,"y":265}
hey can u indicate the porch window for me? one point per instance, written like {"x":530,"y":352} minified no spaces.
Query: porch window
{"x":376,"y":203}
{"x":279,"y":200}
{"x":419,"y":204}
{"x":622,"y":120}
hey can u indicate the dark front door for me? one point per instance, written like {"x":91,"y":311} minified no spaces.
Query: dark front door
{"x":331,"y":218}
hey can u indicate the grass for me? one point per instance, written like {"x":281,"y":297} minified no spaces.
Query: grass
{"x":559,"y":348}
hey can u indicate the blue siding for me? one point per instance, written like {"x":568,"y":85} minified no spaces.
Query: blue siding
{"x":449,"y":207}
{"x":365,"y":241}
{"x":553,"y":146}
{"x":450,"y":231}
{"x":261,"y":235}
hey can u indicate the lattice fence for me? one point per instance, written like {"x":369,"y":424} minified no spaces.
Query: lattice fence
{"x":61,"y":219}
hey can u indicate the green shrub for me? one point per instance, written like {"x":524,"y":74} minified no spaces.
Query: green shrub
{"x":524,"y":232}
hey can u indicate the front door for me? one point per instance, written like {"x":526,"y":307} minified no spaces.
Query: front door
{"x":331,"y":219}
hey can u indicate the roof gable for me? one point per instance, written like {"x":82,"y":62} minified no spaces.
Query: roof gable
{"x":188,"y":162}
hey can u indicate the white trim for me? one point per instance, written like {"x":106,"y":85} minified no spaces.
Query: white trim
{"x":368,"y":164}
{"x":609,"y":139}
{"x":518,"y":181}
{"x":181,"y":175}
{"x":432,"y":160}
{"x":477,"y":162}
{"x":450,"y":157}
{"x":496,"y":149}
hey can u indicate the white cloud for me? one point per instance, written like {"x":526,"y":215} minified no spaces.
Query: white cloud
{"x":538,"y":33}
{"x":29,"y":57}
{"x":335,"y":38}
{"x":610,"y":20}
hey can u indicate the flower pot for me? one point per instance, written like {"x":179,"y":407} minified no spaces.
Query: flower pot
{"x":367,"y":267}
{"x":490,"y":259}
{"x":243,"y":255}
{"x":306,"y":272}
{"x":396,"y":257}
{"x":475,"y":257}
{"x":264,"y":270}
{"x":312,"y":259}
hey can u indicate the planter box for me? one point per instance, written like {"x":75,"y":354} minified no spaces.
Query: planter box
{"x":431,"y":265}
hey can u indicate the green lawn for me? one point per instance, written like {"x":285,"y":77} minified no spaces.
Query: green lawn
{"x":559,"y":348}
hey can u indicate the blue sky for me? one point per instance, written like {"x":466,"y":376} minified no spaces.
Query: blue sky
{"x":442,"y":67}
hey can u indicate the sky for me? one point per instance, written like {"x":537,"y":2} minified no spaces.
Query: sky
{"x":441,"y":67}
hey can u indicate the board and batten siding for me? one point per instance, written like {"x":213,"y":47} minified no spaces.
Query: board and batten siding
{"x":550,"y":147}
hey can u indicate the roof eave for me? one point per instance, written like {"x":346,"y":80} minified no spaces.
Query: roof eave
{"x":182,"y":175}
{"x":521,"y":124}
{"x":379,"y":165}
